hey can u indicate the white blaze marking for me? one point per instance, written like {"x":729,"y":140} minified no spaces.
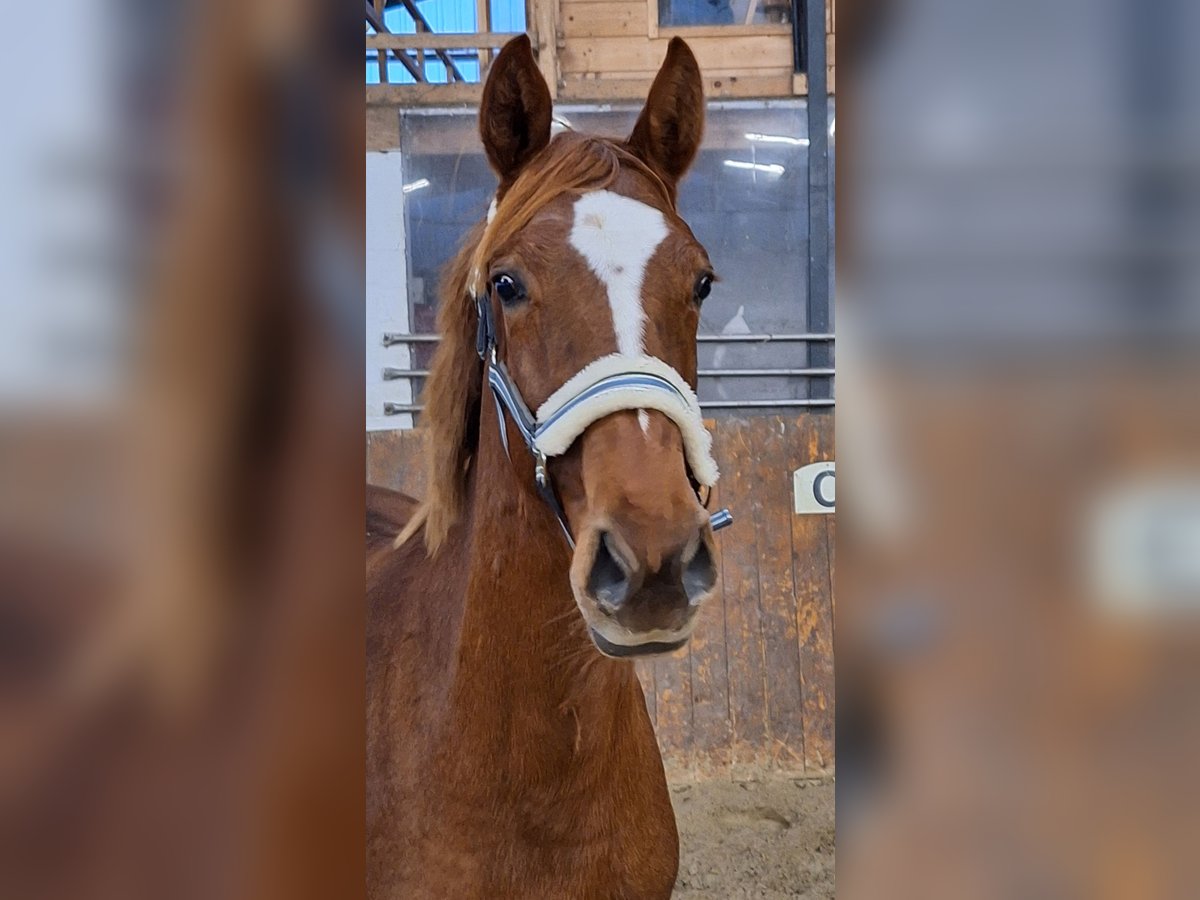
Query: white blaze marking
{"x":617,"y":236}
{"x":491,"y":213}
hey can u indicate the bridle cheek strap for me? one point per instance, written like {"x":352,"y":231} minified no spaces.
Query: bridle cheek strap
{"x":618,"y":382}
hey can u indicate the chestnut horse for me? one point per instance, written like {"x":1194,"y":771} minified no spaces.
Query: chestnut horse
{"x":507,"y":757}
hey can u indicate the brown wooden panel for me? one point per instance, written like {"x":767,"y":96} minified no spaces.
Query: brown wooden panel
{"x":396,"y":460}
{"x":712,"y":732}
{"x":423,"y":94}
{"x":604,"y":20}
{"x":772,"y":438}
{"x":645,"y":674}
{"x":739,"y":578}
{"x":673,"y":707}
{"x":810,"y":566}
{"x":729,"y":84}
{"x":621,"y":54}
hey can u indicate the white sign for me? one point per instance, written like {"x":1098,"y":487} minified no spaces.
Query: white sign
{"x":813,"y":486}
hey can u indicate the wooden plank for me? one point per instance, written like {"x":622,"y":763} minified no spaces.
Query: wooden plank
{"x":424,"y":94}
{"x":616,"y":54}
{"x":645,"y":674}
{"x":383,"y":128}
{"x":396,"y":460}
{"x":673,"y":709}
{"x":712,"y":731}
{"x":810,"y":568}
{"x":437,"y":41}
{"x":545,"y":24}
{"x":708,"y":77}
{"x":381,"y":57}
{"x":739,"y":580}
{"x":575,"y":88}
{"x":773,"y":438}
{"x":604,"y":20}
{"x":483,"y":22}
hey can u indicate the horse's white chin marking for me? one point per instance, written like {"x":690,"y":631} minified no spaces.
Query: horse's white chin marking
{"x":617,"y":236}
{"x":644,"y":421}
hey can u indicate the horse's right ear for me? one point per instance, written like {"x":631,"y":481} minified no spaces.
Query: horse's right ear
{"x":514,"y":116}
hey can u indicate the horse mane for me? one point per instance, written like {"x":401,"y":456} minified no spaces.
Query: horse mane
{"x":570,"y":164}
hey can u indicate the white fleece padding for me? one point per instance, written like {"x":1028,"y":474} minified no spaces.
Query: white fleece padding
{"x":683,"y":410}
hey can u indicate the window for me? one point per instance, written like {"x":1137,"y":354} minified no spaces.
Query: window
{"x":746,"y":199}
{"x":687,"y":13}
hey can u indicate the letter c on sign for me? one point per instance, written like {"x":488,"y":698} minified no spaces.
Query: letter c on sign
{"x":822,"y":494}
{"x":813,"y":488}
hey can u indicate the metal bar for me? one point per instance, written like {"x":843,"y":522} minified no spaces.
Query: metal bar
{"x":396,"y":409}
{"x":799,"y":37}
{"x":819,"y":298}
{"x":391,"y":373}
{"x":765,"y":373}
{"x":391,"y":338}
{"x":761,"y":338}
{"x":766,"y":404}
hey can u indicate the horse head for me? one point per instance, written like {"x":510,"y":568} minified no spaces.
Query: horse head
{"x":585,"y":287}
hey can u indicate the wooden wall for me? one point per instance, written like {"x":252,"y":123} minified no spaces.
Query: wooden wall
{"x":612,"y":50}
{"x":753,"y":690}
{"x":604,"y":50}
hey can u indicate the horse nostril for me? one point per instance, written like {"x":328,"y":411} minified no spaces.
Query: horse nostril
{"x":607,"y":581}
{"x":699,"y":575}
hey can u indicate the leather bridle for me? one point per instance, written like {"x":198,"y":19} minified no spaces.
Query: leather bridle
{"x":634,"y":381}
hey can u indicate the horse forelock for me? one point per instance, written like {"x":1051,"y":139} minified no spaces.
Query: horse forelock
{"x":572,"y":164}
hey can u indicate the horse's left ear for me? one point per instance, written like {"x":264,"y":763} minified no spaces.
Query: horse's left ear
{"x":668,"y":132}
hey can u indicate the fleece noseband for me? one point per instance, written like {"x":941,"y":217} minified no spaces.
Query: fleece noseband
{"x":601,"y":388}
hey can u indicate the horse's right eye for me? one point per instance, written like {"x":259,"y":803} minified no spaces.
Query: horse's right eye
{"x":508,"y":289}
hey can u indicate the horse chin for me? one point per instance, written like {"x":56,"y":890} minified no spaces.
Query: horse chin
{"x":633,"y":651}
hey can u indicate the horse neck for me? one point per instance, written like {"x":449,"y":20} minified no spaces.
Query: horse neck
{"x":527,"y":675}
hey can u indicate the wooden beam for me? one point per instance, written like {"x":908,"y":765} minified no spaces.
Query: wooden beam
{"x":602,"y":56}
{"x":483,"y":24}
{"x":423,"y":24}
{"x":775,"y":82}
{"x":545,"y":21}
{"x":432,"y":41}
{"x":380,"y":57}
{"x":425,"y":95}
{"x":604,"y":19}
{"x":375,"y":20}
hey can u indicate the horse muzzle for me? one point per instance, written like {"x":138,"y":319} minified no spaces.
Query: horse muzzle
{"x":636,"y":606}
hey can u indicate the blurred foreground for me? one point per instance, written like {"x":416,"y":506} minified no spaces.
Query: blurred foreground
{"x":1018,"y":590}
{"x":181,"y":452}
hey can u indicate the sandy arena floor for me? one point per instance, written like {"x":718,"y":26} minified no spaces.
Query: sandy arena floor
{"x":769,"y":839}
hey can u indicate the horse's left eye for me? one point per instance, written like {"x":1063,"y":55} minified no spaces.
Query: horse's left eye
{"x":703,"y":287}
{"x":508,"y":289}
